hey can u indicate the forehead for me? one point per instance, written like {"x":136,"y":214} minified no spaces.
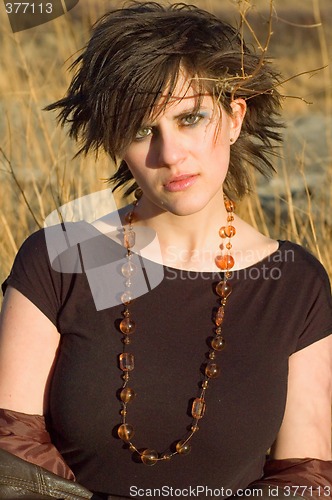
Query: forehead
{"x":187,"y":93}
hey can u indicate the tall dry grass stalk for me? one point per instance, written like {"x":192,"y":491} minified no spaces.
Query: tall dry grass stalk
{"x":37,"y":171}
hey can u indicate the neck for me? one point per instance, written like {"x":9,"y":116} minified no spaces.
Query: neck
{"x":186,"y":241}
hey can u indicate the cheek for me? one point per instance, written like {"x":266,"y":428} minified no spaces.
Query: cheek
{"x":135,"y":162}
{"x":142,"y":175}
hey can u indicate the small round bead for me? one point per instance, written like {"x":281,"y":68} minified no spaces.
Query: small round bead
{"x":212,"y":355}
{"x":194,"y":428}
{"x":149,"y":457}
{"x":126,"y":432}
{"x":183,"y":448}
{"x":205,"y":384}
{"x":126,"y":340}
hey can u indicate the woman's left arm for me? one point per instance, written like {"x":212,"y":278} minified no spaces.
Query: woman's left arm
{"x":300,"y":463}
{"x":306,"y":427}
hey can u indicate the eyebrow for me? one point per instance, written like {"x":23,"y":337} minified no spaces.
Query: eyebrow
{"x":184,"y":112}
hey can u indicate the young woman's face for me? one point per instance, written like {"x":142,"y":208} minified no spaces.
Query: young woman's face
{"x":180,"y":159}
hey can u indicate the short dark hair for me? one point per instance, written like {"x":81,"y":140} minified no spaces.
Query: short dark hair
{"x":136,"y":53}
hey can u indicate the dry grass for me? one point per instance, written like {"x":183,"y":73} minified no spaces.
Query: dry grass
{"x":37,"y":171}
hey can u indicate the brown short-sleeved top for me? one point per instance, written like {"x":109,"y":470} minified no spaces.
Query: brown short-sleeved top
{"x":277,"y":307}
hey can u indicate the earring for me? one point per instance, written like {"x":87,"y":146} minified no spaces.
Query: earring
{"x":231,"y":140}
{"x":138,"y":193}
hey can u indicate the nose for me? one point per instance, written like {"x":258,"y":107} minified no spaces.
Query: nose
{"x":170,"y":147}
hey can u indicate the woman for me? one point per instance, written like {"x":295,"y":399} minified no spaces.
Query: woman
{"x":188,"y":109}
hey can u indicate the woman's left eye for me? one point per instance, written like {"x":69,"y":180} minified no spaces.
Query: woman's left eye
{"x":191,"y":119}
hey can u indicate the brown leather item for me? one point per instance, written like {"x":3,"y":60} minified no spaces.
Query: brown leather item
{"x":309,"y":478}
{"x":26,"y":437}
{"x":22,"y":480}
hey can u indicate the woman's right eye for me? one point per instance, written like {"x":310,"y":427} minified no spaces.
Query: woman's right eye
{"x":142,"y":133}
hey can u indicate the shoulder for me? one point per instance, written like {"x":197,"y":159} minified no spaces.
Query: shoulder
{"x":300,"y":261}
{"x":47,"y":251}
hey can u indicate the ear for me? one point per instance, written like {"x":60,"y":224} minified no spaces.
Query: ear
{"x":239,"y":108}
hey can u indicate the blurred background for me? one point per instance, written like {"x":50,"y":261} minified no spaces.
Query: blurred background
{"x":37,"y":169}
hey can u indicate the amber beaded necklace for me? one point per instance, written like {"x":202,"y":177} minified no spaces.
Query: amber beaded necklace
{"x":225,"y":262}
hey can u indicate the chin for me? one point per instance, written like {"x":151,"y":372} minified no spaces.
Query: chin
{"x":183,"y":208}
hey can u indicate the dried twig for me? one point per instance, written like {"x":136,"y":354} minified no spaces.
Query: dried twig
{"x":21,"y":190}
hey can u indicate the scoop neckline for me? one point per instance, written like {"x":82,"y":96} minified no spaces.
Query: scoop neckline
{"x":268,"y":258}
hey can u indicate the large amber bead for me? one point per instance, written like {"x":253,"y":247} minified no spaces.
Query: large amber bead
{"x":127,"y":394}
{"x":218,"y":343}
{"x":224,"y":262}
{"x":127,"y":326}
{"x":128,"y":269}
{"x":126,"y":361}
{"x":126,"y":432}
{"x":223,"y":289}
{"x":227,"y":231}
{"x":212,"y":370}
{"x":198,"y":408}
{"x":127,"y":297}
{"x":149,"y":457}
{"x":229,"y":205}
{"x":183,"y":447}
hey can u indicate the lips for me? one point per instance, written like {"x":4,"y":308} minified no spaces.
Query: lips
{"x":180,"y":182}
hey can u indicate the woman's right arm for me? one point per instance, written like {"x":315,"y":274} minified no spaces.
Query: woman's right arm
{"x":28,"y":347}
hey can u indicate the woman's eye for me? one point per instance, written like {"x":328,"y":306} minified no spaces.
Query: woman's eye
{"x":143,"y":132}
{"x":191,"y":119}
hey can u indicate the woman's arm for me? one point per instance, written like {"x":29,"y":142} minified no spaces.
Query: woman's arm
{"x":300,"y":464}
{"x":306,"y":427}
{"x":28,"y":346}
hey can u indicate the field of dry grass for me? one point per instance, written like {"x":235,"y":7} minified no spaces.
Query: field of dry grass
{"x":37,"y":172}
